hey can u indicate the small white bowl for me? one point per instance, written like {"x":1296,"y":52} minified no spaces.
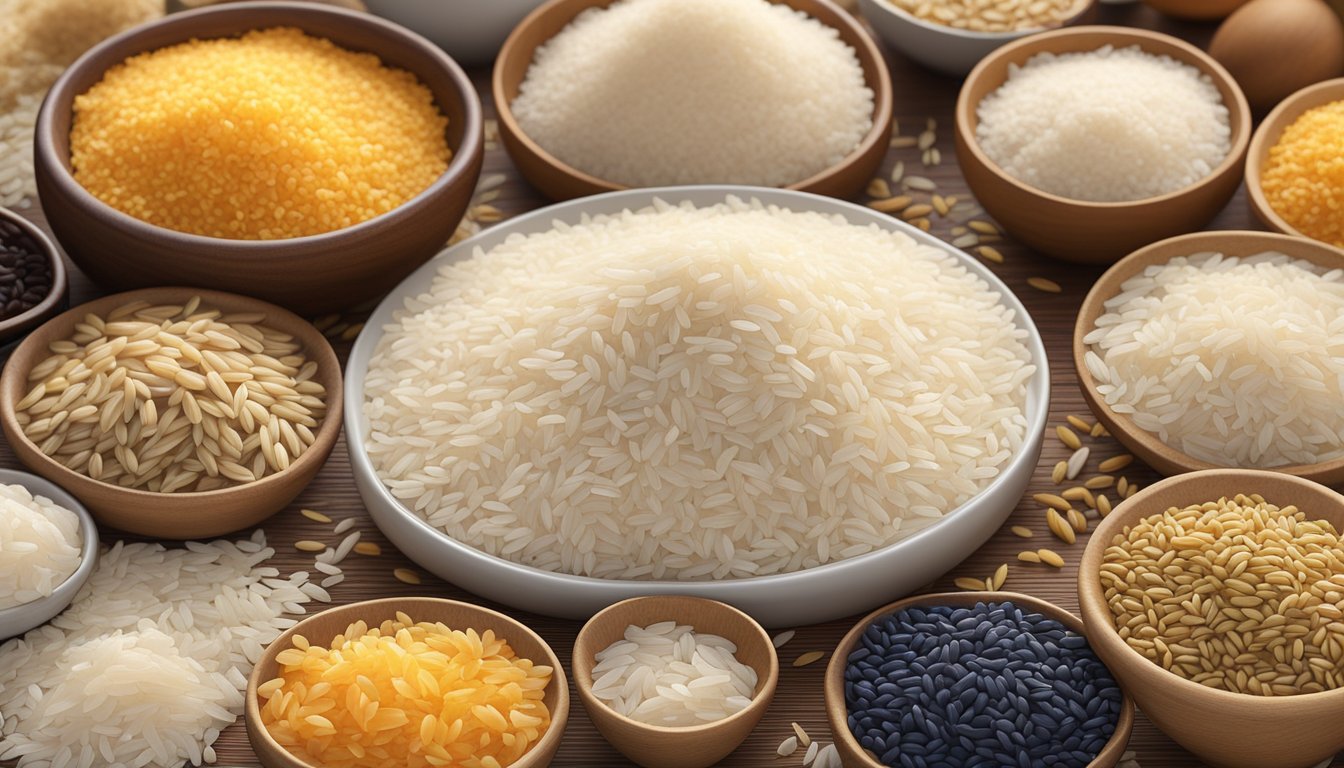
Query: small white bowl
{"x":21,"y":618}
{"x":471,"y":31}
{"x":810,"y":596}
{"x":949,"y":50}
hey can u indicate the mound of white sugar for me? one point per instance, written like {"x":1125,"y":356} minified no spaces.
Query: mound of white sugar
{"x":39,"y":546}
{"x":659,"y":92}
{"x":1109,"y":125}
{"x":1237,"y":362}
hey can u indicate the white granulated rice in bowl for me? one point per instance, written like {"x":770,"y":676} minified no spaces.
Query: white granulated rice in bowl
{"x":688,"y":393}
{"x":39,"y":546}
{"x":1238,"y":362}
{"x":1110,"y":125}
{"x":645,"y":93}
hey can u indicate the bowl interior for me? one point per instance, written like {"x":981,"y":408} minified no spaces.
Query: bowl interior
{"x":738,"y":591}
{"x":754,"y":647}
{"x":837,"y":711}
{"x":16,"y":325}
{"x":319,"y":629}
{"x":1071,"y":16}
{"x":361,"y":32}
{"x":515,"y":58}
{"x":1146,"y":445}
{"x":993,"y":72}
{"x":1268,"y":134}
{"x":164,"y":512}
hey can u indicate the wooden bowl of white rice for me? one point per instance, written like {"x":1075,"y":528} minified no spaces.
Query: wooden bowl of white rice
{"x":788,"y":403}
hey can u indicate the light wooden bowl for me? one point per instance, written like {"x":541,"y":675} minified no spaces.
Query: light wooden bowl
{"x":321,"y":273}
{"x":696,"y":746}
{"x":176,"y":515}
{"x":1197,"y":10}
{"x":560,"y":181}
{"x":322,"y":627}
{"x":1227,"y":730}
{"x":1268,"y":134}
{"x":1145,"y":444}
{"x":837,"y":712}
{"x":1086,"y":232}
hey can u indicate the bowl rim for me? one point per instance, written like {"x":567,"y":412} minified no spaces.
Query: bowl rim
{"x":837,"y":711}
{"x":1239,"y":112}
{"x":760,"y":699}
{"x":1289,"y":110}
{"x":1075,"y":12}
{"x":559,"y":718}
{"x":59,"y":281}
{"x":1036,"y":409}
{"x":878,"y":132}
{"x":315,"y":346}
{"x":89,"y":549}
{"x":1092,"y":602}
{"x":1108,"y":285}
{"x":62,"y":93}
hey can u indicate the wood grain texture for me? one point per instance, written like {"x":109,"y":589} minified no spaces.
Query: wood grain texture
{"x":919,"y":96}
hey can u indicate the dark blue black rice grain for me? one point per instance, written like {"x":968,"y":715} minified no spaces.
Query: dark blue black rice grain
{"x":975,"y":687}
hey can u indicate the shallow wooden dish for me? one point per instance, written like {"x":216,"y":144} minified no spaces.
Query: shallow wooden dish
{"x":1086,"y":232}
{"x":1197,"y":10}
{"x":322,"y":627}
{"x":177,"y":515}
{"x":697,"y":746}
{"x":1143,"y":443}
{"x":1267,"y":135}
{"x":320,"y":273}
{"x":837,"y":713}
{"x":14,"y":327}
{"x":560,"y":181}
{"x":1226,"y":730}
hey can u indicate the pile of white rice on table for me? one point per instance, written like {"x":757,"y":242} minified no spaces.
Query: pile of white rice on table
{"x":150,"y":662}
{"x":683,"y":393}
{"x":648,"y":93}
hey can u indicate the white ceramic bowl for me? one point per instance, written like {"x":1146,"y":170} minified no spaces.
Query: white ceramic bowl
{"x":21,"y":618}
{"x":471,"y":31}
{"x":826,"y":592}
{"x":939,"y":47}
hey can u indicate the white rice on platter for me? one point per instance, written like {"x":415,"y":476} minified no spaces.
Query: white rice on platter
{"x":683,"y":393}
{"x":1237,"y":362}
{"x":39,"y":546}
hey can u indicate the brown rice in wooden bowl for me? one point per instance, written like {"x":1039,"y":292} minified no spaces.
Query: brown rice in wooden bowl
{"x":174,"y":412}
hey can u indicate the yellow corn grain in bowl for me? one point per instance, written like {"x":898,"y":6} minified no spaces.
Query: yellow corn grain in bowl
{"x":406,"y":694}
{"x":272,"y":135}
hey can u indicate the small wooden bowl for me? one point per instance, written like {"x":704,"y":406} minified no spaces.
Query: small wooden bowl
{"x":320,"y":273}
{"x":1225,"y":729}
{"x":11,"y":329}
{"x":695,"y":746}
{"x":176,"y":515}
{"x":320,"y":628}
{"x":1268,"y":134}
{"x":1086,"y":232}
{"x":837,"y":712}
{"x":1145,"y":444}
{"x":1196,"y":10}
{"x":560,"y":181}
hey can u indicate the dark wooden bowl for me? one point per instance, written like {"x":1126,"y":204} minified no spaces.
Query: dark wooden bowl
{"x":1141,"y":442}
{"x":853,"y":755}
{"x":322,"y":627}
{"x":197,"y":515}
{"x":319,"y":273}
{"x":560,"y":181}
{"x":1087,"y":232}
{"x":11,"y":329}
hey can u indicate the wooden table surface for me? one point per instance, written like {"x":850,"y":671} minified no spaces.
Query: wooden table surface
{"x":919,"y":96}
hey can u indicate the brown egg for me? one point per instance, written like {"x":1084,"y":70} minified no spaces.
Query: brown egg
{"x":1202,"y":10}
{"x":1276,"y":47}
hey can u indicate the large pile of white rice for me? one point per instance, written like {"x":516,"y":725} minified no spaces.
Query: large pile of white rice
{"x":684,"y":393}
{"x":151,"y":660}
{"x":648,"y":93}
{"x":1237,"y":362}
